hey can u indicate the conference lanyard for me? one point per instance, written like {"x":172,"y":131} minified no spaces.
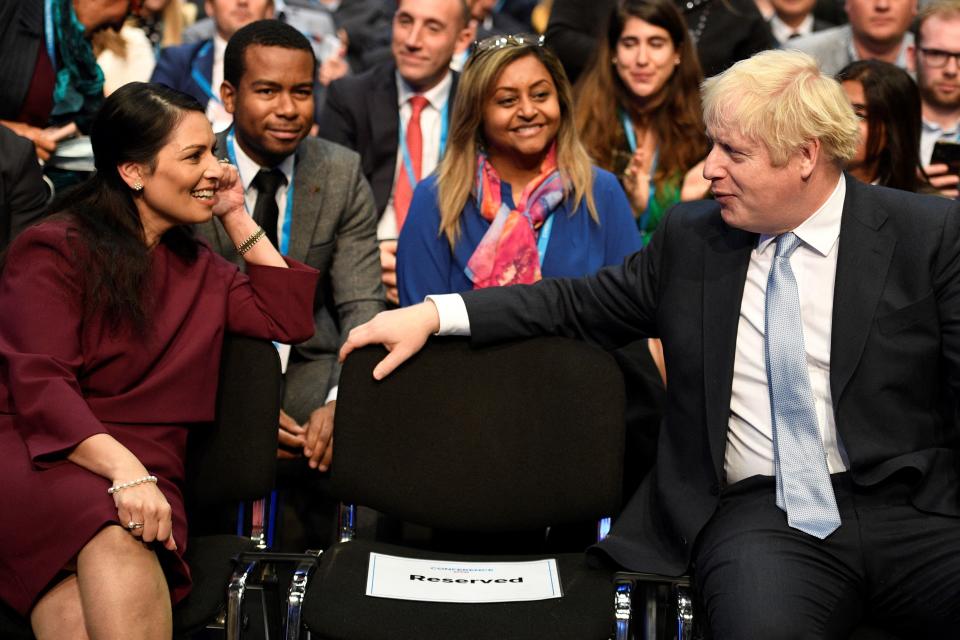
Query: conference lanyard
{"x":407,"y":162}
{"x":284,"y":239}
{"x":632,"y":142}
{"x":198,"y":76}
{"x":48,"y":31}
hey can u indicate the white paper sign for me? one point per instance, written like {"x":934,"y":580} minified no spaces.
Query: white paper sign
{"x":466,"y":582}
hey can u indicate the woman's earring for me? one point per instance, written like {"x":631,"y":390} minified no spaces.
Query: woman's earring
{"x":613,"y":60}
{"x":138,"y":186}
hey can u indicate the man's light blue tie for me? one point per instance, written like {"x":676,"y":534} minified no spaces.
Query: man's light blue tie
{"x":803,"y":481}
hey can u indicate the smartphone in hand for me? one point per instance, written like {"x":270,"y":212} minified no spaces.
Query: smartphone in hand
{"x":948,"y":153}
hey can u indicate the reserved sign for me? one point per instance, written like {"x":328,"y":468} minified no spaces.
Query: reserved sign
{"x":466,"y":582}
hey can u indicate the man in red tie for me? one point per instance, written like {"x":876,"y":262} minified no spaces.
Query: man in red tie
{"x":395,"y":115}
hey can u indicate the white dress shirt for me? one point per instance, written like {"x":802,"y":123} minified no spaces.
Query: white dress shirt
{"x":782,"y":31}
{"x":430,"y":127}
{"x":249,"y":169}
{"x":216,"y":114}
{"x":749,"y":449}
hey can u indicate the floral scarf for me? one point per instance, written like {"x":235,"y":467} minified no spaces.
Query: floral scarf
{"x":507,"y":253}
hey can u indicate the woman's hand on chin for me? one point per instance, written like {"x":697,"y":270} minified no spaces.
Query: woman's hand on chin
{"x":230,"y":197}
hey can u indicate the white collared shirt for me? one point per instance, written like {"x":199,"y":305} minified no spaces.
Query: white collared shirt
{"x":248,"y":171}
{"x":782,"y":31}
{"x":216,"y":114}
{"x":749,"y":449}
{"x":430,"y":126}
{"x":930,"y":133}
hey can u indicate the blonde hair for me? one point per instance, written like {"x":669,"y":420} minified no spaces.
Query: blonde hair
{"x":174,"y":21}
{"x":458,"y":168}
{"x":781,"y":99}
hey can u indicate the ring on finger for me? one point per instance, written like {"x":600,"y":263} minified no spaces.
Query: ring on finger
{"x":134,"y":525}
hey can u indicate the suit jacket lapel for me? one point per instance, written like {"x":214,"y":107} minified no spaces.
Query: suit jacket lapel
{"x":307,"y":198}
{"x":384,"y":114}
{"x":725,"y":260}
{"x":863,"y":259}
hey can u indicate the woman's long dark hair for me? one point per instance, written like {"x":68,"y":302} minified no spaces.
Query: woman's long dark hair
{"x":134,"y":123}
{"x":893,"y":120}
{"x":675,"y":118}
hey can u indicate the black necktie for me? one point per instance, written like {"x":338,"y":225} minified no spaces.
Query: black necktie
{"x":266,"y":211}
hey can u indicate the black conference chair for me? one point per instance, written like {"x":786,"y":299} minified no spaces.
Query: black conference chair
{"x":232,"y":461}
{"x":505,"y":438}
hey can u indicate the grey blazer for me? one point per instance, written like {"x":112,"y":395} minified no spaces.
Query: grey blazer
{"x":833,"y":48}
{"x":334,"y":231}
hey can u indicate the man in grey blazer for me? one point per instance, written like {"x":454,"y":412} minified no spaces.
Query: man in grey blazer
{"x":314,"y":204}
{"x":878,"y":30}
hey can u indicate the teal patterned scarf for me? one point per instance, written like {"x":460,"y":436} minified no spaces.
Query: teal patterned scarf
{"x":78,"y":92}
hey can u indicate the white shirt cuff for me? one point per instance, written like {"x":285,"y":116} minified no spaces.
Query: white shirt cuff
{"x":454,"y":320}
{"x":332,"y":394}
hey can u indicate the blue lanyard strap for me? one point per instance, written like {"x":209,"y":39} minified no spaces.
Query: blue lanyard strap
{"x":284,"y":239}
{"x":405,"y":153}
{"x":198,"y":76}
{"x":50,"y":33}
{"x":545,"y":230}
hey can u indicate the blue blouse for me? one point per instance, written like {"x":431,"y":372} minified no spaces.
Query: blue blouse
{"x":577,"y":246}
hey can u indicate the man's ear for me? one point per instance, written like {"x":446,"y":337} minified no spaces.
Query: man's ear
{"x":132,"y":174}
{"x":466,"y":37}
{"x":228,"y":96}
{"x":912,"y":57}
{"x":809,"y":153}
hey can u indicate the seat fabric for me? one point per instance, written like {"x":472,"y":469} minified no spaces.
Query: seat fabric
{"x":341,"y":611}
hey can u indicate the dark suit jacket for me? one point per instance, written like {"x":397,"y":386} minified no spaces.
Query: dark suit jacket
{"x":334,"y":231}
{"x":361,"y":113}
{"x":175,"y":65}
{"x":23,"y":193}
{"x":895,"y":352}
{"x":21,"y":35}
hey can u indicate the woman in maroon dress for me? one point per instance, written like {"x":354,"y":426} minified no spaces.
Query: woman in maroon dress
{"x":111,"y":324}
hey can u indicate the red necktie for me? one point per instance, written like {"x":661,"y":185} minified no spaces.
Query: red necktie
{"x":402,"y":191}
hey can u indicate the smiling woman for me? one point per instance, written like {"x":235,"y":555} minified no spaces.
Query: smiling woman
{"x":516,"y":198}
{"x":650,"y":134}
{"x":109,"y":347}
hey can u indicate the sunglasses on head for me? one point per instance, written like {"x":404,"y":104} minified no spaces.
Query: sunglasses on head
{"x":500,"y":42}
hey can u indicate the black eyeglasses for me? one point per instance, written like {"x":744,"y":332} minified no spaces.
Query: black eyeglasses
{"x":938,"y":58}
{"x":500,"y":42}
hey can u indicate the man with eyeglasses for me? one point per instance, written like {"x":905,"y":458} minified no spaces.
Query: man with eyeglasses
{"x":936,"y":62}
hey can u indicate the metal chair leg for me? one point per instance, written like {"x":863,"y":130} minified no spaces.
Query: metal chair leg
{"x":348,"y":522}
{"x":623,"y":609}
{"x":297,"y":592}
{"x":684,"y":604}
{"x":235,"y":592}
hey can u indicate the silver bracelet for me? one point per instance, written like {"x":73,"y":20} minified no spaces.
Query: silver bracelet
{"x":117,"y":488}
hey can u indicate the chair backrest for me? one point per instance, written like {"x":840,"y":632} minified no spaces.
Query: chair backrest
{"x":235,"y":458}
{"x":515,"y":436}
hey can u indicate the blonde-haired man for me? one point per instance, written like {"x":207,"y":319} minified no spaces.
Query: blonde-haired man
{"x":807,"y":469}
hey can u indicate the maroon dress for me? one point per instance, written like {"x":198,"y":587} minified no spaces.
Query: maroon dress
{"x":63,"y":379}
